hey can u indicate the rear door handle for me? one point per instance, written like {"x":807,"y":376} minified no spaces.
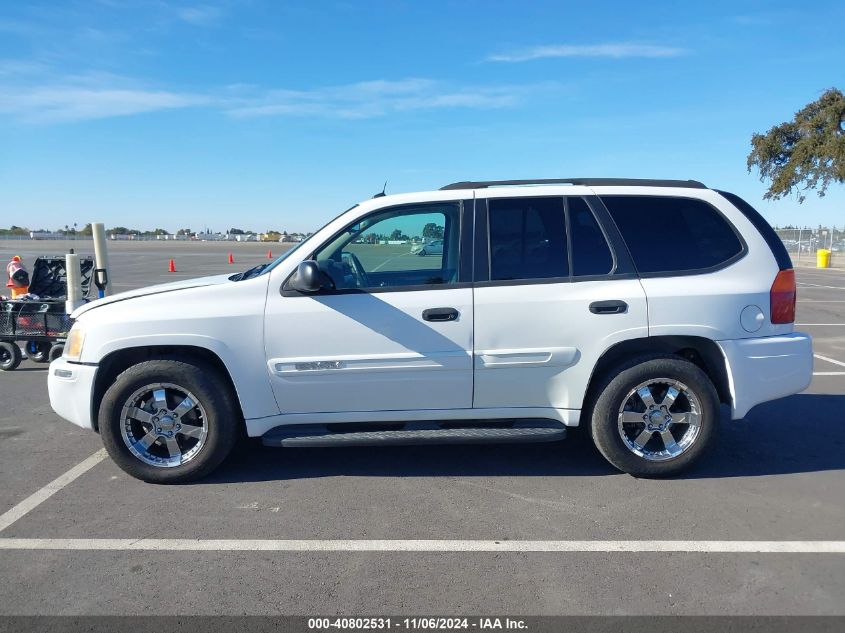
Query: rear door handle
{"x":608,"y":307}
{"x":440,"y":314}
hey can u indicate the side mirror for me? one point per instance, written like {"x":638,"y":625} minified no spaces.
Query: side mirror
{"x":307,"y":278}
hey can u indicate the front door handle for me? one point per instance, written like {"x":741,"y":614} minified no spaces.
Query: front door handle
{"x":608,"y":307}
{"x":440,"y":314}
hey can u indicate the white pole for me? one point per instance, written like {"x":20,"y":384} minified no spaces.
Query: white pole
{"x":799,"y":244}
{"x":74,"y":283}
{"x":101,"y":254}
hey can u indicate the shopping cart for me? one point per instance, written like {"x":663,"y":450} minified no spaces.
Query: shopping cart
{"x":39,"y":320}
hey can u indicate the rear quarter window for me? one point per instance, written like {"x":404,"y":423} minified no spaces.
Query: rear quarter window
{"x":765,"y":229}
{"x":670,"y":234}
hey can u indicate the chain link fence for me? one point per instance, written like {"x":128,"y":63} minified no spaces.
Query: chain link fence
{"x":804,"y":243}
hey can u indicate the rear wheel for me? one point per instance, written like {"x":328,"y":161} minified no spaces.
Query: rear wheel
{"x":655,"y":417}
{"x":169,"y":421}
{"x":10,"y":356}
{"x":38,"y":352}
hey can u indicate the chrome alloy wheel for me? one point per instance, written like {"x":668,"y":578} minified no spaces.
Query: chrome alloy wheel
{"x":163,"y":425}
{"x":660,"y":419}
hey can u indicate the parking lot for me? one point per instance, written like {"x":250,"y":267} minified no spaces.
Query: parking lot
{"x":523,"y":529}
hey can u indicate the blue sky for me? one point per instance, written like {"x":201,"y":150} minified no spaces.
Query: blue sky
{"x":273,"y":114}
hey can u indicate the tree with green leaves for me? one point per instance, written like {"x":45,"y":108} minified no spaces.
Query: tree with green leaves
{"x":805,"y":153}
{"x":432,"y":231}
{"x":15,"y":230}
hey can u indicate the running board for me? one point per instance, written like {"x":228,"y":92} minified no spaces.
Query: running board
{"x":314,"y":436}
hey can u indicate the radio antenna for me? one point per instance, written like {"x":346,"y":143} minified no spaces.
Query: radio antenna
{"x":381,"y":194}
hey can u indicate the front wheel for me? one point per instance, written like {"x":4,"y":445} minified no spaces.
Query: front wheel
{"x":655,"y":417}
{"x":10,"y":356}
{"x":169,"y":421}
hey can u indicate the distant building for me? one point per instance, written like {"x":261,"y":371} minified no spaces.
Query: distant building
{"x":46,"y":235}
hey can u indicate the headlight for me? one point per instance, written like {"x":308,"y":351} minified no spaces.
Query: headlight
{"x":73,"y":345}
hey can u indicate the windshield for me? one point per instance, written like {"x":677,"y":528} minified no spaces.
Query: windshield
{"x":266,"y":268}
{"x":263,"y":268}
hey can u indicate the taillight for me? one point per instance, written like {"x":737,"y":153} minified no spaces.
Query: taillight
{"x":782,"y":297}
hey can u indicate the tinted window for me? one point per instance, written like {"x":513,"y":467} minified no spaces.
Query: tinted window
{"x":590,"y":252}
{"x":667,"y":234}
{"x":768,"y":233}
{"x":527,"y":238}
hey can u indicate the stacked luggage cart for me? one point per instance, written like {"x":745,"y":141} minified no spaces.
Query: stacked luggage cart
{"x":40,"y":321}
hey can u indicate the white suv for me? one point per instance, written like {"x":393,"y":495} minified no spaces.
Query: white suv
{"x":632,"y":307}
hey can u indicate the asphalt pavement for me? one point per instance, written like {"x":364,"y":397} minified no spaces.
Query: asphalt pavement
{"x":778,"y":475}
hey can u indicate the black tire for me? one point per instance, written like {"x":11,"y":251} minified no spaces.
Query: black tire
{"x":612,"y":394}
{"x":38,"y":352}
{"x":55,"y":352}
{"x":10,"y":356}
{"x":212,"y":392}
{"x":422,"y":253}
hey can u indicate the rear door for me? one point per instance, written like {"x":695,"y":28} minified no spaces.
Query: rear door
{"x":702,"y":280}
{"x":551,"y":296}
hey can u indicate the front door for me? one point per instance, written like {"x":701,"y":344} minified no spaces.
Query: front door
{"x":393,"y":332}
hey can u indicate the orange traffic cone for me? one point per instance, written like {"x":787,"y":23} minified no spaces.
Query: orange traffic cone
{"x":172,"y":267}
{"x":231,"y":259}
{"x":269,"y":254}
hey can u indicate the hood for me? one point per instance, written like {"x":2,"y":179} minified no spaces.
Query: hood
{"x":152,"y":290}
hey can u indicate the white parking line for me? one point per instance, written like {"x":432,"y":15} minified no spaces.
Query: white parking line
{"x":226,"y":545}
{"x":387,"y":261}
{"x":829,"y":360}
{"x":37,"y":498}
{"x":829,"y":373}
{"x":804,"y":283}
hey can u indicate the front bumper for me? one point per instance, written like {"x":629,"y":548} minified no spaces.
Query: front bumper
{"x":763,"y":369}
{"x":71,"y":387}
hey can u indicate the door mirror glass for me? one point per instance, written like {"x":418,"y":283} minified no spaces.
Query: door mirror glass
{"x":307,"y":278}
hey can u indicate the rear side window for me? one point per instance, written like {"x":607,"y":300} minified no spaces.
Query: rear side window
{"x":590,"y":252}
{"x":667,"y":234}
{"x":527,"y":238}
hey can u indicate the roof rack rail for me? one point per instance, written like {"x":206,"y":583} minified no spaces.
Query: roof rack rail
{"x":588,"y":182}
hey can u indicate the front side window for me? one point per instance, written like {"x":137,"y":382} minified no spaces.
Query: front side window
{"x":527,"y":238}
{"x":668,"y":234}
{"x":403,"y":246}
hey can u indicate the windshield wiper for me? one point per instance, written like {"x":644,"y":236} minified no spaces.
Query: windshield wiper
{"x":247,"y":274}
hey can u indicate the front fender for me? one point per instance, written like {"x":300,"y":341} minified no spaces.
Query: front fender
{"x":226,"y":320}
